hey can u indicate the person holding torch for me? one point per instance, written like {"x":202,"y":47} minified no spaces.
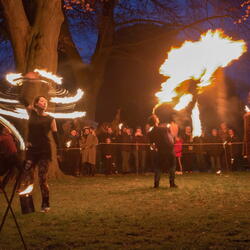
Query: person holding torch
{"x":162,"y":143}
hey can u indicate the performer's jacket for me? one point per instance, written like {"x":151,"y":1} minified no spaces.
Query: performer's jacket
{"x":162,"y":139}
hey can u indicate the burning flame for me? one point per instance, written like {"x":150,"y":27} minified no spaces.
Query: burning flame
{"x":49,"y":75}
{"x":65,"y":100}
{"x":14,"y":131}
{"x":68,"y":144}
{"x":196,"y":121}
{"x":183,"y":102}
{"x":247,"y":109}
{"x":27,"y":190}
{"x":195,"y":63}
{"x":198,"y":61}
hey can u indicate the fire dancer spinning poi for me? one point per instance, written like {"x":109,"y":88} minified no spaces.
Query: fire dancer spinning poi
{"x":39,"y":147}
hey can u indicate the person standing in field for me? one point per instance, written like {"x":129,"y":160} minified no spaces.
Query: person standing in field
{"x":162,"y":142}
{"x":39,"y":147}
{"x":88,"y":143}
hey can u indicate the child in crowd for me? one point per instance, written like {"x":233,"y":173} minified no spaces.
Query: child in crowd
{"x":178,"y":154}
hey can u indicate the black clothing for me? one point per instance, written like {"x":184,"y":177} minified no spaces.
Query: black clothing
{"x":214,"y":149}
{"x":38,"y":136}
{"x":162,"y":139}
{"x":164,"y":156}
{"x":188,"y":156}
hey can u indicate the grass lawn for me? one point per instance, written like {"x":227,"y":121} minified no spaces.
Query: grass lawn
{"x":124,"y":212}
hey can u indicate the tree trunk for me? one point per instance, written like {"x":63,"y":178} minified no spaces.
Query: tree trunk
{"x":101,"y":55}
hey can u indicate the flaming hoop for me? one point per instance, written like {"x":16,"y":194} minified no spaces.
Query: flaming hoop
{"x":196,"y":62}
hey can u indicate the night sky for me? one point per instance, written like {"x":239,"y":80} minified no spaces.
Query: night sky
{"x":130,"y":81}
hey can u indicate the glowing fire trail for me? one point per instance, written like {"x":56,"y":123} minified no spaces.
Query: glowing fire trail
{"x":71,"y":115}
{"x":67,"y":100}
{"x":49,"y":75}
{"x":7,"y":124}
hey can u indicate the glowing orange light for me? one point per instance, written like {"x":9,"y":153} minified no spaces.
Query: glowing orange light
{"x":27,"y":190}
{"x":198,"y":61}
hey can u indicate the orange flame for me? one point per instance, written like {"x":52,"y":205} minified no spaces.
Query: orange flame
{"x":183,"y":102}
{"x":196,"y":121}
{"x":27,"y":190}
{"x":198,"y":61}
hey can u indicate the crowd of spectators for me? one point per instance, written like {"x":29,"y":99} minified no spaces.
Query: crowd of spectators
{"x":112,"y":149}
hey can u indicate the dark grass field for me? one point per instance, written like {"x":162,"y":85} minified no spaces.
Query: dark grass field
{"x":124,"y":212}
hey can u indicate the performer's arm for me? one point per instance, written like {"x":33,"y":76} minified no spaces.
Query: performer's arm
{"x":54,"y":132}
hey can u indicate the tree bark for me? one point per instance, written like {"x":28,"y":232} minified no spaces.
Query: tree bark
{"x":101,"y":55}
{"x":18,"y":28}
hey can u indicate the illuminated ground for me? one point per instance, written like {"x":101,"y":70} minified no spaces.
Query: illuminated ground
{"x":125,"y":212}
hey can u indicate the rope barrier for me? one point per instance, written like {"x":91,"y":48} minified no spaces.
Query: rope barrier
{"x":148,"y":144}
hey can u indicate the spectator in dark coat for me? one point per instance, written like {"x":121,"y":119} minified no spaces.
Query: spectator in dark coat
{"x":188,"y":151}
{"x":233,"y":150}
{"x":215,"y":151}
{"x":108,"y":157}
{"x":139,"y":151}
{"x":127,"y":139}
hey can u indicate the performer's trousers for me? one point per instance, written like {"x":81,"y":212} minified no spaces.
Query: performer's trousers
{"x":28,"y":177}
{"x":164,"y":161}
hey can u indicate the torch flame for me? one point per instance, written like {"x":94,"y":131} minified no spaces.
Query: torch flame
{"x":183,"y":102}
{"x":27,"y":190}
{"x":68,"y":144}
{"x":196,"y":121}
{"x":198,"y":61}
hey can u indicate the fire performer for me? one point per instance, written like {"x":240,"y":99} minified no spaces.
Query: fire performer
{"x":162,"y":142}
{"x":39,"y":147}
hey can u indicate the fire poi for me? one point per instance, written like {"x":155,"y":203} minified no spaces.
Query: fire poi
{"x":196,"y":62}
{"x":10,"y":105}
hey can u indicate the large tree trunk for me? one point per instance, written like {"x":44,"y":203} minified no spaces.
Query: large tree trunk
{"x":34,"y":45}
{"x":101,"y":55}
